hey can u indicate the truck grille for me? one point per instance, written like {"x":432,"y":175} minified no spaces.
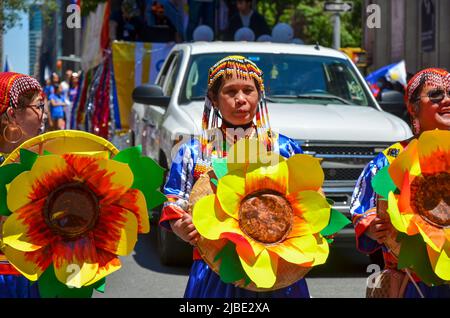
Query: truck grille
{"x":342,"y":161}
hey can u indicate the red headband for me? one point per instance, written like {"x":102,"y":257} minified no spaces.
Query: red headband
{"x":12,"y":85}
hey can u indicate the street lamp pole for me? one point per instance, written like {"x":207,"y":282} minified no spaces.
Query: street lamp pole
{"x":337,"y":29}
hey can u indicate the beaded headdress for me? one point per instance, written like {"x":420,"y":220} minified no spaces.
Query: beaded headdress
{"x":436,"y":77}
{"x":12,"y":85}
{"x":243,"y":68}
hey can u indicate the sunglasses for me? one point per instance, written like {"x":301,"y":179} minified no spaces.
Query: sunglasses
{"x":437,"y":95}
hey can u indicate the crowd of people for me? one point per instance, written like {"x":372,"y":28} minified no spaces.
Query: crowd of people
{"x":59,"y":99}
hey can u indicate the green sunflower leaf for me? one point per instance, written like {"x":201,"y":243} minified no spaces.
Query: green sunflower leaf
{"x":414,"y":255}
{"x":7,"y":174}
{"x":337,"y":222}
{"x":230,"y":268}
{"x":51,"y":287}
{"x":100,"y":285}
{"x":148,"y":175}
{"x":382,"y":183}
{"x":220,"y":167}
{"x":27,"y":158}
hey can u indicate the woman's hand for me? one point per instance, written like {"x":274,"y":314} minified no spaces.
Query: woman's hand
{"x":379,"y":229}
{"x":185,"y":229}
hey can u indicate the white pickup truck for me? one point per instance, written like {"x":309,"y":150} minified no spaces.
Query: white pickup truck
{"x":315,"y":95}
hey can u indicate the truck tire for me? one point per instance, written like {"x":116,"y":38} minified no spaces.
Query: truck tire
{"x":172,"y":250}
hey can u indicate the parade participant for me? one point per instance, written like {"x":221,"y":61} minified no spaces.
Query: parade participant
{"x":22,"y":117}
{"x":428,"y":101}
{"x":235,"y":95}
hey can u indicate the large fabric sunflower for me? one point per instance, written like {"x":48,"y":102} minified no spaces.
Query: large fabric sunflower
{"x":417,"y":185}
{"x":72,"y":214}
{"x":272,"y":211}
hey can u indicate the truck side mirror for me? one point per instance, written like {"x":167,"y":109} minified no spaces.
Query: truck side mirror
{"x":150,"y":95}
{"x":392,"y":101}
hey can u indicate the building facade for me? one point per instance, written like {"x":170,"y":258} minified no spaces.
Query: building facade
{"x":35,"y":39}
{"x":416,"y":31}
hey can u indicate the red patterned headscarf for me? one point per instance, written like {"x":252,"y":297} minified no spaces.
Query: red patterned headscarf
{"x":435,"y":77}
{"x":12,"y":85}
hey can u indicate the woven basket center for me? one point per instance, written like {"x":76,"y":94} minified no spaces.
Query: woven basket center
{"x":71,"y":210}
{"x":430,"y":198}
{"x":266,"y":216}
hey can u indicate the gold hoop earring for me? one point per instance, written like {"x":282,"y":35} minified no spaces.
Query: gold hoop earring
{"x":12,"y":133}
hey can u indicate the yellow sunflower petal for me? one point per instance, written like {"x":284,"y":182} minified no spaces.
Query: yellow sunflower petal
{"x":230,"y":191}
{"x":408,"y":160}
{"x":440,"y":261}
{"x":29,"y":264}
{"x":15,"y":235}
{"x":108,"y":263}
{"x":21,"y":187}
{"x":432,"y":141}
{"x":300,"y":228}
{"x":75,"y":262}
{"x":289,"y":252}
{"x":110,"y":179}
{"x":128,"y":235}
{"x":305,"y":173}
{"x":273,"y":177}
{"x":397,"y":219}
{"x":211,"y":225}
{"x":313,"y":208}
{"x":314,"y":247}
{"x":263,"y":271}
{"x":134,"y":201}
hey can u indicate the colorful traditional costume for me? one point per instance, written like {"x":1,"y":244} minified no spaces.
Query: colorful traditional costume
{"x":12,"y":283}
{"x":195,"y":157}
{"x":365,"y":199}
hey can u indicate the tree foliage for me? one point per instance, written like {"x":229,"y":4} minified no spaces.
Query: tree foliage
{"x":311,"y":23}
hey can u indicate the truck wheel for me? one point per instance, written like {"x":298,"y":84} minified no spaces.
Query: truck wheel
{"x":173,"y":251}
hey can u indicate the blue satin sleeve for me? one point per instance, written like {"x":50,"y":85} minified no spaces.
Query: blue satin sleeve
{"x":363,"y":204}
{"x":180,"y":179}
{"x":288,"y":147}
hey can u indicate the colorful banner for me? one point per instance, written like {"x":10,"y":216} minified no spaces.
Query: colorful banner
{"x":135,"y":63}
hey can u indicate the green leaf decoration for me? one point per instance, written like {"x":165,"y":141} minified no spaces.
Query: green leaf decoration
{"x":413,"y":254}
{"x":51,"y":287}
{"x":148,"y":175}
{"x":337,"y":222}
{"x":220,"y":167}
{"x":100,"y":285}
{"x":382,"y":183}
{"x":230,"y":268}
{"x":27,"y":158}
{"x":7,"y":174}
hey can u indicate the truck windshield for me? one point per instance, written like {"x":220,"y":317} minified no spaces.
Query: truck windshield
{"x":288,"y":78}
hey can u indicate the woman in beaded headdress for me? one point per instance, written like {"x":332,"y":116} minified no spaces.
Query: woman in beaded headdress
{"x":21,"y":117}
{"x":427,"y":98}
{"x":235,"y":101}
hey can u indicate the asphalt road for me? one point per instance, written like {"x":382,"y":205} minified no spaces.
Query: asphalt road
{"x":143,"y":276}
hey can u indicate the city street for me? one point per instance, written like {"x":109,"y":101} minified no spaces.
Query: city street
{"x":142,"y":275}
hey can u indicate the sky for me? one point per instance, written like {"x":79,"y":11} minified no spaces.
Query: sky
{"x":15,"y":46}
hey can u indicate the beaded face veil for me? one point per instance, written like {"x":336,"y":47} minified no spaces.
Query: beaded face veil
{"x":242,"y":68}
